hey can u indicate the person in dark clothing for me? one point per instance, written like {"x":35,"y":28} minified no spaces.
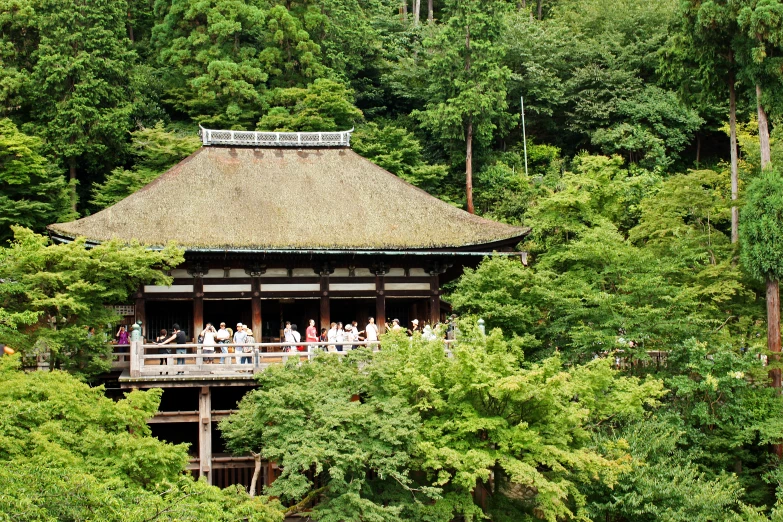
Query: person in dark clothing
{"x":179,"y":337}
{"x":159,"y":339}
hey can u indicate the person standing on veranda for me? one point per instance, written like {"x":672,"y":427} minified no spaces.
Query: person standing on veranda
{"x":223,"y":337}
{"x":331,"y":338}
{"x":311,"y":334}
{"x":371,"y":331}
{"x":209,"y":341}
{"x":240,"y":338}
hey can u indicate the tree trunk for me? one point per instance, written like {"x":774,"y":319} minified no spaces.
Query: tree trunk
{"x":72,"y":177}
{"x":430,"y":11}
{"x":698,"y":149}
{"x":416,"y":11}
{"x":773,"y":340}
{"x":540,"y":9}
{"x":469,"y":168}
{"x":405,"y":10}
{"x":773,"y":326}
{"x":130,"y":28}
{"x":256,"y":473}
{"x":763,"y":130}
{"x":734,"y":167}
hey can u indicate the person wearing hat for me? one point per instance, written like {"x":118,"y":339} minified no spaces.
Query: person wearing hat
{"x":396,"y":325}
{"x":223,"y":337}
{"x":414,"y":327}
{"x":246,"y":359}
{"x":350,"y":336}
{"x":240,"y":337}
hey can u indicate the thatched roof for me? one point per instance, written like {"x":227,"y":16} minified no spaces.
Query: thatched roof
{"x":244,"y":198}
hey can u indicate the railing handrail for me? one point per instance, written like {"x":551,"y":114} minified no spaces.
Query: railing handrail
{"x":275,"y":139}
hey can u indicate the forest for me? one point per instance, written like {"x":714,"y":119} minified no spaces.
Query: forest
{"x":647,"y":167}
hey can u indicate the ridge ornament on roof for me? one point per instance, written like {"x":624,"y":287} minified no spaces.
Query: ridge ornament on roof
{"x":237,"y":138}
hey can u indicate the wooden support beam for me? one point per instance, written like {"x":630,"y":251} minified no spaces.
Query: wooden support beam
{"x":205,"y":433}
{"x":198,"y":306}
{"x":434,"y":299}
{"x":380,"y":302}
{"x":255,"y":309}
{"x":325,"y":309}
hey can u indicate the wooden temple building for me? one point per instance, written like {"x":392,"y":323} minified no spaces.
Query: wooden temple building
{"x":283,"y":227}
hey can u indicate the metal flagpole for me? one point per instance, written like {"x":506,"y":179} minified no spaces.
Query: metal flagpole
{"x":524,"y":138}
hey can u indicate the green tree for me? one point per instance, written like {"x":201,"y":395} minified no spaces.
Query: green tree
{"x":324,"y":105}
{"x":466,"y":80}
{"x":290,"y":56}
{"x":761,"y":231}
{"x":52,"y":293}
{"x":33,"y":193}
{"x":762,"y":23}
{"x":398,"y":151}
{"x":70,"y":453}
{"x":655,"y":128}
{"x":408,"y":434}
{"x":154,"y":149}
{"x":78,"y":95}
{"x":704,"y":39}
{"x":209,"y":52}
{"x":664,"y":482}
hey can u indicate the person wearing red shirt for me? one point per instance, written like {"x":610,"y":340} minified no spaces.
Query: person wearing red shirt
{"x":311,"y":334}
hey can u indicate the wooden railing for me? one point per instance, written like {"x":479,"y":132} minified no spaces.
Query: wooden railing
{"x":146,"y":360}
{"x":275,"y":139}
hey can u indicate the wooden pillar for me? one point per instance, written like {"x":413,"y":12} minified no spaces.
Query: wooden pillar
{"x":434,"y":299}
{"x":141,"y":315}
{"x":255,"y":309}
{"x":205,"y":433}
{"x":198,"y":306}
{"x":325,"y":311}
{"x":380,"y":301}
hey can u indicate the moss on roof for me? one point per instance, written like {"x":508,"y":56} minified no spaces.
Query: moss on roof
{"x":242,"y":198}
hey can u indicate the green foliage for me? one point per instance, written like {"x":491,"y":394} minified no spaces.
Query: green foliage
{"x":619,"y":254}
{"x":466,"y":80}
{"x":210,"y":52}
{"x":52,"y":293}
{"x":290,"y":57}
{"x":663,"y":482}
{"x":32,"y":193}
{"x":760,"y":226}
{"x":324,"y":105}
{"x":77,"y":95}
{"x":69,"y":453}
{"x":427,"y":429}
{"x":655,"y":128}
{"x":155,"y":149}
{"x":398,"y":151}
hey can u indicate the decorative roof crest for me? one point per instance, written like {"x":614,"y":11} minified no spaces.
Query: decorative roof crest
{"x":237,"y":138}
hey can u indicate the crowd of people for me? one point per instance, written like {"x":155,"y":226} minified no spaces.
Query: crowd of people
{"x":224,"y":341}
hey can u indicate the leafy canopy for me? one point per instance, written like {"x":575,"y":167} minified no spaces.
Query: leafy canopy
{"x":33,"y":193}
{"x":51,"y":293}
{"x":409,"y":432}
{"x":69,"y":453}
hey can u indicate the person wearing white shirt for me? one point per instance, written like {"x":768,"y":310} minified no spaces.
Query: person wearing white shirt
{"x":371,"y":330}
{"x":222,"y":338}
{"x":240,"y":337}
{"x":340,"y":336}
{"x":295,"y":338}
{"x":331,"y":337}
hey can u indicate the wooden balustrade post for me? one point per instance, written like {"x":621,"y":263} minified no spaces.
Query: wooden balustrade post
{"x":136,"y":350}
{"x":205,"y":433}
{"x":380,"y":297}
